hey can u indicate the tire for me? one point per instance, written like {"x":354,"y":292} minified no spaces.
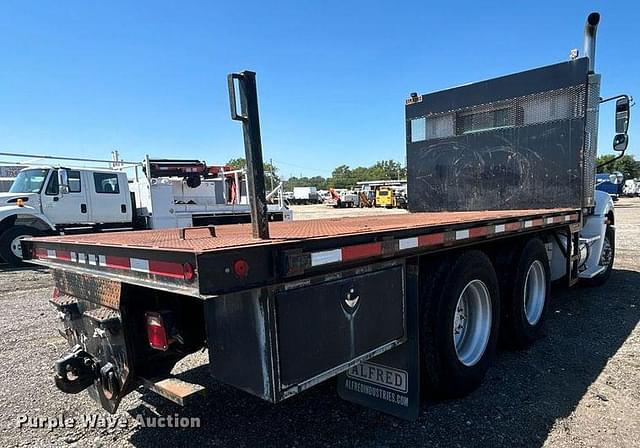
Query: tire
{"x":601,"y":279}
{"x":525,"y":289}
{"x":453,"y":366}
{"x":8,"y":240}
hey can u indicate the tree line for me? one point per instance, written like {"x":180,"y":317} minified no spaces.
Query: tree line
{"x":627,"y":165}
{"x":342,"y":176}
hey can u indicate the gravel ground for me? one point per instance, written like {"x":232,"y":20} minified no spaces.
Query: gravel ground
{"x":578,"y":386}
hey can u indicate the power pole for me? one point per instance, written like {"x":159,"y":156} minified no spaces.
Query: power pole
{"x":271,"y":169}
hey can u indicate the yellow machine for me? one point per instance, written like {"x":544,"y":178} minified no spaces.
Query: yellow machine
{"x":385,"y":197}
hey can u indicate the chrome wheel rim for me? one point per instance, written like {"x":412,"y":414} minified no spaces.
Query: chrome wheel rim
{"x":16,"y":248}
{"x":607,"y":252}
{"x":472,"y":322}
{"x":535,"y":292}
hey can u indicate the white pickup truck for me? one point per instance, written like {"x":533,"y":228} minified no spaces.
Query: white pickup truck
{"x":49,"y":200}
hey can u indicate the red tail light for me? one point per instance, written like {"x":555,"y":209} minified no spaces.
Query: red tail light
{"x":241,"y":268}
{"x":156,"y":331}
{"x":188,"y":272}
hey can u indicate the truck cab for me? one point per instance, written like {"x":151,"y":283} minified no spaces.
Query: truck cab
{"x":48,"y":199}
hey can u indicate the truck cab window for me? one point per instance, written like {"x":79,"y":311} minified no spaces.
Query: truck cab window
{"x":75,"y":186}
{"x":52,"y":186}
{"x":106,"y":183}
{"x":73,"y":177}
{"x":29,"y":181}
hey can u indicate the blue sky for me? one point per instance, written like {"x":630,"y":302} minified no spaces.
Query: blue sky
{"x":80,"y":78}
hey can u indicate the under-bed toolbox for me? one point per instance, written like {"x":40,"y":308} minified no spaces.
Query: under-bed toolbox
{"x":274,"y":342}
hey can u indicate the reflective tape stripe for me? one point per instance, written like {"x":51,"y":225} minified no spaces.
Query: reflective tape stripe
{"x":63,"y":255}
{"x":140,"y":265}
{"x":161,"y":268}
{"x":513,"y":226}
{"x":408,"y":243}
{"x":117,"y":262}
{"x":361,"y":251}
{"x":166,"y":269}
{"x":462,"y":234}
{"x":325,"y":257}
{"x":478,"y":231}
{"x":431,"y":240}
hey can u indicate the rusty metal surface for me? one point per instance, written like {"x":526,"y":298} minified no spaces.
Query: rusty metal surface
{"x":63,"y":300}
{"x":174,"y":389}
{"x":97,"y":290}
{"x":288,"y":231}
{"x":101,"y":314}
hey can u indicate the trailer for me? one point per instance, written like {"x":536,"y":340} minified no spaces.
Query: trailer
{"x":305,"y":196}
{"x":395,"y":307}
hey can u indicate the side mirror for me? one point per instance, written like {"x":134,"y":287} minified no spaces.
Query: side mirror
{"x":622,"y":115}
{"x":63,"y":181}
{"x":620,"y":142}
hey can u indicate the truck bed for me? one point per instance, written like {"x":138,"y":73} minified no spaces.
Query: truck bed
{"x":294,"y":248}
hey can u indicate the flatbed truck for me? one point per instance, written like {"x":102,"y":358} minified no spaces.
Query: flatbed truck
{"x":395,"y":306}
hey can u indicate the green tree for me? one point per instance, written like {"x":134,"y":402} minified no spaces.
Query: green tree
{"x":269,"y":170}
{"x":345,"y":177}
{"x":317,"y":181}
{"x":341,"y":177}
{"x":627,"y":165}
{"x":388,"y":170}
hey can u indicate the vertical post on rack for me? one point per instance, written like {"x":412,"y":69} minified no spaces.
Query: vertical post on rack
{"x":248,"y":115}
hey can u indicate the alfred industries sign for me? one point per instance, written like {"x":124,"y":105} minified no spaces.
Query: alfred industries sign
{"x":380,"y":375}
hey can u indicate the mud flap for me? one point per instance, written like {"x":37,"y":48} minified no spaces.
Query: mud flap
{"x":390,"y":382}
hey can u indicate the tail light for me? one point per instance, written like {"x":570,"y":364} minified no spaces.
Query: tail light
{"x":156,"y":331}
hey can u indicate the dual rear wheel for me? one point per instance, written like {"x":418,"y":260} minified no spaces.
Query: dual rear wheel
{"x":465,"y":306}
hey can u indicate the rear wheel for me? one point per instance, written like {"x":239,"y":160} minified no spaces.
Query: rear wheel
{"x":10,"y":248}
{"x":460,"y":320}
{"x":525,"y":293}
{"x":606,"y":259}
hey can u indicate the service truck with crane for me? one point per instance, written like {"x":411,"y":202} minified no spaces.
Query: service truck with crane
{"x":50,"y":199}
{"x":501,"y":180}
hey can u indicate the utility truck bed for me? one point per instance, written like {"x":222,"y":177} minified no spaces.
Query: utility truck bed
{"x":204,"y":261}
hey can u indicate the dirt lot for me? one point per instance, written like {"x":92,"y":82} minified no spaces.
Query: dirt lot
{"x":578,"y":386}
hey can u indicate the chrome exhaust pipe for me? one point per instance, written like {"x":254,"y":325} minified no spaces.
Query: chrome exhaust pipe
{"x":589,"y":46}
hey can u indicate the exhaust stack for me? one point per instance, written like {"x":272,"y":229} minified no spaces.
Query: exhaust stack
{"x":589,"y":49}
